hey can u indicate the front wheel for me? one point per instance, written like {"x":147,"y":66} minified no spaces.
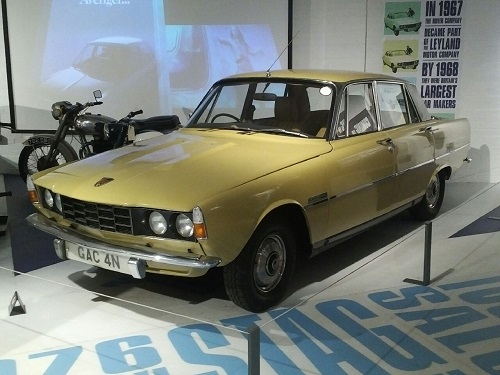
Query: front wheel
{"x":33,"y":158}
{"x":429,"y":206}
{"x":259,"y":276}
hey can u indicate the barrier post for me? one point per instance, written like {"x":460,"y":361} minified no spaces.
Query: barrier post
{"x":427,"y":257}
{"x":427,"y":253}
{"x":254,"y":350}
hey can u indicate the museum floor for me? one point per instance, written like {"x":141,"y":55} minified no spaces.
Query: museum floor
{"x":349,"y":311}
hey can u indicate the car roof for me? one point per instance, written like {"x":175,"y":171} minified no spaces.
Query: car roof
{"x":339,"y":76}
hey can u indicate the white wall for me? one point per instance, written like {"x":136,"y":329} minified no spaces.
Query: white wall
{"x":346,"y":34}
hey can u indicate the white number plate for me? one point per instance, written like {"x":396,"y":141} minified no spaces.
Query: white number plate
{"x":97,"y":257}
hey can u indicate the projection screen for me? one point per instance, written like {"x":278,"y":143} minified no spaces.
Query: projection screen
{"x":160,"y":56}
{"x":5,"y":109}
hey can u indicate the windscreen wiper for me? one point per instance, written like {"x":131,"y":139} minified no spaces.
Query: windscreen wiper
{"x":283,"y":131}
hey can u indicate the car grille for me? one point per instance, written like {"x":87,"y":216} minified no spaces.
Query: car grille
{"x":408,"y":63}
{"x":98,"y":216}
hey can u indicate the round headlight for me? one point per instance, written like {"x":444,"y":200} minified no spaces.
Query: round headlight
{"x":157,"y":223}
{"x":49,"y":200}
{"x":184,"y":225}
{"x":56,"y":113}
{"x":57,"y":199}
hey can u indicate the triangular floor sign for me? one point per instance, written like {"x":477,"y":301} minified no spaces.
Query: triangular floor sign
{"x":16,"y":306}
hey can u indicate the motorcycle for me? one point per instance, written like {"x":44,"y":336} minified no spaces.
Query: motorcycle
{"x":44,"y":151}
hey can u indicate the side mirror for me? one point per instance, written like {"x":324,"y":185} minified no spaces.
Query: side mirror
{"x":97,"y":95}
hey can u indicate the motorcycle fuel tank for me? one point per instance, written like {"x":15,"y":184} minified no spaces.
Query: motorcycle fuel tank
{"x":92,"y":123}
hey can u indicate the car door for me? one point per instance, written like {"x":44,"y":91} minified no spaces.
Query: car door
{"x":412,"y":140}
{"x":361,"y":165}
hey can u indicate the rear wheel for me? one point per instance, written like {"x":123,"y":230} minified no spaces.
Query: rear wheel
{"x":33,"y":158}
{"x":429,"y":206}
{"x":258,"y":278}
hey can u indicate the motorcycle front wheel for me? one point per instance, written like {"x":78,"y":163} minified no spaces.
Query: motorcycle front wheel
{"x":32,"y":158}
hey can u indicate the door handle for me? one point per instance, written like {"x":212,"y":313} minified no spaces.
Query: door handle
{"x":427,"y":129}
{"x":387,"y":142}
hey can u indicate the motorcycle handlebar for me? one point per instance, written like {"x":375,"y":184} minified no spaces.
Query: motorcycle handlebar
{"x":135,"y":113}
{"x":125,"y":120}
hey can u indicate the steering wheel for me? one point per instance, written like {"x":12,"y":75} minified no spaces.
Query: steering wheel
{"x":227,"y":115}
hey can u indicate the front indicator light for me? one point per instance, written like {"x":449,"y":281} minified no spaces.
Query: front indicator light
{"x":32,"y":195}
{"x":157,"y":223}
{"x":200,"y":230}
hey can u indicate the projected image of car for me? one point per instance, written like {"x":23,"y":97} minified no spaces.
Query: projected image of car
{"x":272,"y":168}
{"x":114,"y":65}
{"x":400,"y":59}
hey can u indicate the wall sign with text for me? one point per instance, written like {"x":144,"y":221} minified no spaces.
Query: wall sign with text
{"x":422,"y":41}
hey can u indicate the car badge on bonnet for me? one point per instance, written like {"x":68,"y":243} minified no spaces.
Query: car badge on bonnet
{"x":103,"y":181}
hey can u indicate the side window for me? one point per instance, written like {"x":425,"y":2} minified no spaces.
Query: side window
{"x":419,"y":104}
{"x":357,"y":112}
{"x":392,"y":104}
{"x":412,"y":111}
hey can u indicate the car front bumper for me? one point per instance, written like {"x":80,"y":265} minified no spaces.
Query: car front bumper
{"x":136,"y":256}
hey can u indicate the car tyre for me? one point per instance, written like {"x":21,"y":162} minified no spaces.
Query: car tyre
{"x":429,"y":206}
{"x":259,"y":276}
{"x":396,"y":31}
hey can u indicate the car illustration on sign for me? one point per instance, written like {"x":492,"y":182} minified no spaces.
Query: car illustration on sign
{"x":271,"y":168}
{"x":402,"y":21}
{"x":400,"y":59}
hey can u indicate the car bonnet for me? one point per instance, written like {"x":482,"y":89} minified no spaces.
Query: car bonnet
{"x":180,"y":169}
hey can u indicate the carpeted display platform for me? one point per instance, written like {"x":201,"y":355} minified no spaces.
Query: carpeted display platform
{"x":31,"y":248}
{"x":488,"y":223}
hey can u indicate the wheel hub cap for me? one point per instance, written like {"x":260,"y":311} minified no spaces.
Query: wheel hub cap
{"x":432,"y":194}
{"x":269,"y":263}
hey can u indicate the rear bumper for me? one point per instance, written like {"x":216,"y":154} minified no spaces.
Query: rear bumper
{"x":137,"y":255}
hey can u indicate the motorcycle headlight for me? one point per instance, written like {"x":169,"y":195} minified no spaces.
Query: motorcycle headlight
{"x":59,"y":108}
{"x":184,"y":225}
{"x":48,"y":198}
{"x":56,"y":113}
{"x":157,"y":223}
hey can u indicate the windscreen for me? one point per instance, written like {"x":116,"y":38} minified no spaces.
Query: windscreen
{"x":284,"y":108}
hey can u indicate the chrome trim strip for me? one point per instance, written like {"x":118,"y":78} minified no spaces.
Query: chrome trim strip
{"x":414,"y":167}
{"x":399,"y":173}
{"x":334,"y":240}
{"x":357,"y":188}
{"x":454,"y":150}
{"x":136,"y":253}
